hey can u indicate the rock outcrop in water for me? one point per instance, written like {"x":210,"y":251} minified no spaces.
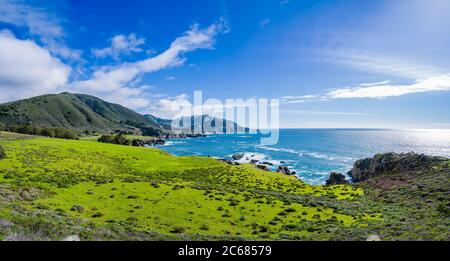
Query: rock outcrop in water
{"x":336,"y":178}
{"x":237,"y":156}
{"x":285,"y":170}
{"x":389,"y":163}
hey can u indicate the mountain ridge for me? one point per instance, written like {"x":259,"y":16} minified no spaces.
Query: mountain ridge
{"x":79,"y":112}
{"x":89,"y":114}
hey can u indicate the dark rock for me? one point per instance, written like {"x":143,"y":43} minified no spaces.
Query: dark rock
{"x":238,"y":156}
{"x":391,"y":163}
{"x":137,"y":143}
{"x":5,"y":223}
{"x":72,"y":238}
{"x":28,"y":193}
{"x":229,"y":162}
{"x":263,"y":167}
{"x":159,"y":142}
{"x":373,"y":238}
{"x":284,"y":170}
{"x":336,"y":178}
{"x":253,"y":161}
{"x":267,"y":163}
{"x":150,"y":142}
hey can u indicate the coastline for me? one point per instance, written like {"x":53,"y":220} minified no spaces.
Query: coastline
{"x":312,"y":154}
{"x":406,"y":200}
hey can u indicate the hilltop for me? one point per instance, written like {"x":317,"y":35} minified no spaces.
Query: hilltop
{"x":86,"y":113}
{"x":79,"y":112}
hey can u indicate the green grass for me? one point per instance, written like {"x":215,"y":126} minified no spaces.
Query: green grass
{"x":168,"y":207}
{"x":52,"y":187}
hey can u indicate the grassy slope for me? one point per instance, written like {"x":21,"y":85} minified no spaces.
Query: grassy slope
{"x":71,"y":111}
{"x":52,"y":188}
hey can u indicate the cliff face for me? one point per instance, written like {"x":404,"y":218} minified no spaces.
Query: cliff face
{"x":391,"y":163}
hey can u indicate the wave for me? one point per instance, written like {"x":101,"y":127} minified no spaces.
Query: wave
{"x":249,"y":156}
{"x":172,"y":143}
{"x":307,"y":153}
{"x":281,"y":150}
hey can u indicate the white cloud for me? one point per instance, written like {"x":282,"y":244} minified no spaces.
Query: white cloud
{"x":380,"y":63}
{"x":39,"y":23}
{"x":383,"y":90}
{"x":306,"y":112}
{"x":284,"y":2}
{"x":124,"y":78}
{"x":121,"y":45}
{"x":297,"y":99}
{"x":26,"y":69}
{"x":374,"y":83}
{"x":170,"y":78}
{"x":264,"y":22}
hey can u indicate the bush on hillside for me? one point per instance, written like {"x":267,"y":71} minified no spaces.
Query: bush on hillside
{"x":42,"y":131}
{"x":2,"y":153}
{"x":115,"y":139}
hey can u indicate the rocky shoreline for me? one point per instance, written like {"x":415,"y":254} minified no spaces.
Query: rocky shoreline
{"x":162,"y":139}
{"x":384,"y":164}
{"x":362,"y":170}
{"x":242,"y":158}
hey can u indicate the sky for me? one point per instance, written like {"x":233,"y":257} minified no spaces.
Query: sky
{"x":332,"y":64}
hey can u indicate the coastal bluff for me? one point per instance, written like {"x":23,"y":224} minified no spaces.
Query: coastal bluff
{"x":386,"y":163}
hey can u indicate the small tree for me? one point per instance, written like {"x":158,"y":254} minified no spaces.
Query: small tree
{"x":106,"y":139}
{"x":121,"y":140}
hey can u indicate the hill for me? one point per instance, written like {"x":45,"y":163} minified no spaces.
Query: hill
{"x":78,"y":112}
{"x":200,"y":122}
{"x":86,"y":113}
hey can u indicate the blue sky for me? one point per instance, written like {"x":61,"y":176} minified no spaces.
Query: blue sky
{"x":368,"y":64}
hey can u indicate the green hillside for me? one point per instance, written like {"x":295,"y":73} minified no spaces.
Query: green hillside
{"x":52,"y":188}
{"x":78,"y":112}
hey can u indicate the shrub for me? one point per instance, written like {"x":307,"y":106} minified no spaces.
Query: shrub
{"x":78,"y":208}
{"x":2,"y":153}
{"x":97,"y":214}
{"x":121,"y":140}
{"x":132,"y":219}
{"x":444,"y":208}
{"x":43,"y":131}
{"x":177,"y":230}
{"x":106,"y":139}
{"x":118,"y":139}
{"x":226,"y":215}
{"x":204,"y":227}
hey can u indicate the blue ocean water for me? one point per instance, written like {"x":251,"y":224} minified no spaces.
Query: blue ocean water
{"x":314,"y":153}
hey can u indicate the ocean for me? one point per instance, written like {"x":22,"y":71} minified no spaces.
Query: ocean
{"x":314,"y":153}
